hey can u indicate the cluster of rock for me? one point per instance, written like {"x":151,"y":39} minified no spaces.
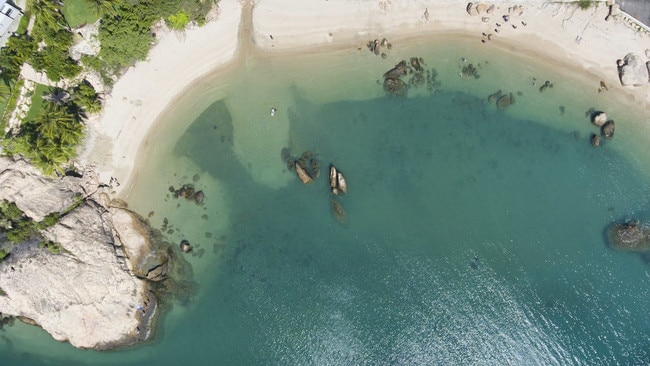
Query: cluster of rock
{"x":188,"y":192}
{"x":633,"y":70}
{"x":306,"y":165}
{"x":97,"y":292}
{"x":547,"y":84}
{"x":485,"y":12}
{"x":631,"y":236}
{"x":378,"y":46}
{"x":606,"y":126}
{"x":6,"y":320}
{"x":414,"y":72}
{"x":307,"y":169}
{"x":469,"y":71}
{"x":337,"y":184}
{"x":502,"y":100}
{"x":481,"y":9}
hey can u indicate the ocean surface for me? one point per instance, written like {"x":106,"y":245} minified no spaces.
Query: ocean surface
{"x":473,"y":236}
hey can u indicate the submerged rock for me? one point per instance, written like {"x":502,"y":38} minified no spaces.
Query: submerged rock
{"x":397,"y":71}
{"x":629,"y":236}
{"x":395,"y":86}
{"x":338,"y":211}
{"x":595,"y":140}
{"x":505,"y":101}
{"x":495,"y":96}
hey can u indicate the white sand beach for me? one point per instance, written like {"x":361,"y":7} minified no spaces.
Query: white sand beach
{"x":560,"y":32}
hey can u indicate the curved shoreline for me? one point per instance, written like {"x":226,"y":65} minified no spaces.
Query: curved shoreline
{"x":567,"y":35}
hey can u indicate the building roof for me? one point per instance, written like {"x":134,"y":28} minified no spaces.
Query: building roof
{"x":9,"y":16}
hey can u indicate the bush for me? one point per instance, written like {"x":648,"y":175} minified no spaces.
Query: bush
{"x":585,"y":4}
{"x":3,"y":254}
{"x":178,"y":21}
{"x":54,"y":248}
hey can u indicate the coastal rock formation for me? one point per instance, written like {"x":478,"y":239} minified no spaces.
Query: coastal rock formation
{"x":599,"y":118}
{"x":633,"y":71}
{"x":188,"y":192}
{"x":307,"y":166}
{"x":469,"y":71}
{"x":36,"y":195}
{"x":85,"y":294}
{"x":505,"y":101}
{"x":376,"y":46}
{"x":396,"y":84}
{"x":607,"y":130}
{"x":302,"y":173}
{"x":83,"y":279}
{"x":337,"y":181}
{"x":629,"y":236}
{"x":595,"y":140}
{"x":134,"y":238}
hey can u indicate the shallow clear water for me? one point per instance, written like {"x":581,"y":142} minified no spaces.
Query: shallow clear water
{"x":473,"y":236}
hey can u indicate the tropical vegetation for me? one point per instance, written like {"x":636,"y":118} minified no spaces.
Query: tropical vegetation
{"x":54,"y":128}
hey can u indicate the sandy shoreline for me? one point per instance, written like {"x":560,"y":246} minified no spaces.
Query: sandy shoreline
{"x":574,"y":38}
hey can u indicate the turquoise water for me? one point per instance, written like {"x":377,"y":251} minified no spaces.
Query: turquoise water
{"x":473,"y":236}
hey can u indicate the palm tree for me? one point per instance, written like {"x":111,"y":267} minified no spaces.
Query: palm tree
{"x":48,"y":13}
{"x":104,"y":7}
{"x":5,"y":92}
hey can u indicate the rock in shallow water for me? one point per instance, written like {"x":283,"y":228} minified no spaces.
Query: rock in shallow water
{"x":629,"y":236}
{"x":607,"y":130}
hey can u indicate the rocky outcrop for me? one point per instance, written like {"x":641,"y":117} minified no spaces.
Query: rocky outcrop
{"x":36,"y":195}
{"x":304,"y":177}
{"x":599,"y":118}
{"x":633,"y":71}
{"x":84,"y":279}
{"x":505,"y":101}
{"x":405,"y":75}
{"x":188,"y":192}
{"x":86,"y":294}
{"x":607,"y":130}
{"x":134,"y":239}
{"x":629,"y":236}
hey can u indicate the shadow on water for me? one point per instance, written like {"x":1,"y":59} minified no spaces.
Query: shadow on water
{"x":453,"y":208}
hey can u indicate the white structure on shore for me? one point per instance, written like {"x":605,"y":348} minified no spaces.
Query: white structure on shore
{"x":9,"y":17}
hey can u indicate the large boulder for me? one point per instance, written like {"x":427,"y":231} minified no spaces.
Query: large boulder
{"x":633,"y":71}
{"x":36,"y":195}
{"x":81,"y":289}
{"x":607,"y":130}
{"x":505,"y":101}
{"x":134,"y":239}
{"x":599,"y":118}
{"x":629,"y":236}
